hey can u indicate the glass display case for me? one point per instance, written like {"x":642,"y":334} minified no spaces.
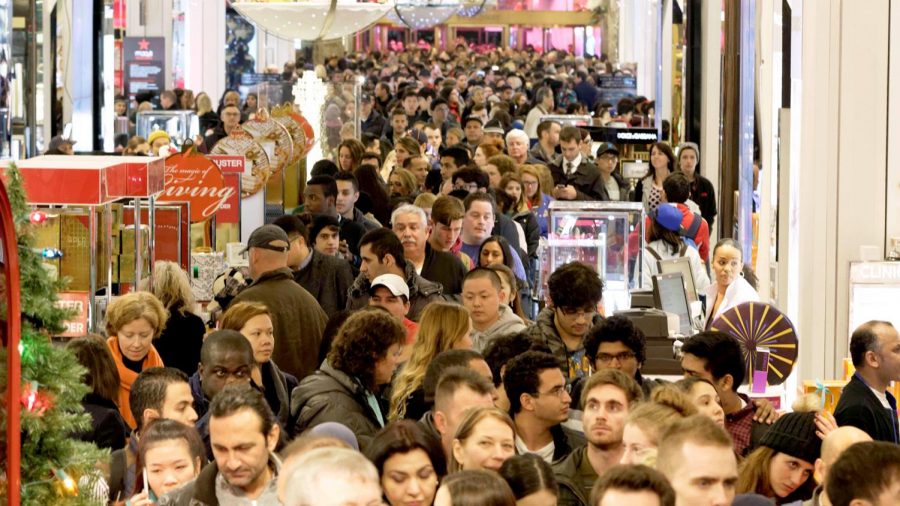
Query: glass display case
{"x":604,"y":235}
{"x":180,"y":125}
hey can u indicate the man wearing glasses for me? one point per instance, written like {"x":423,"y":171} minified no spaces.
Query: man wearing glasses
{"x":617,"y":344}
{"x":539,"y":403}
{"x":575,"y":291}
{"x":614,"y":187}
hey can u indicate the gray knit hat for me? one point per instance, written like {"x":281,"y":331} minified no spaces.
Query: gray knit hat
{"x":689,"y":145}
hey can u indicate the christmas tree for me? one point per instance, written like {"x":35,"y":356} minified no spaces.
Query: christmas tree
{"x":56,"y":468}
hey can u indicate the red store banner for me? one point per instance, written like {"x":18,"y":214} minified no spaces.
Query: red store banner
{"x":192,"y":177}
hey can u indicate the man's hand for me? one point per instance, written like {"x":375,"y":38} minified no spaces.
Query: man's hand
{"x":765,"y":412}
{"x":344,"y":250}
{"x":565,"y":193}
{"x":825,"y":424}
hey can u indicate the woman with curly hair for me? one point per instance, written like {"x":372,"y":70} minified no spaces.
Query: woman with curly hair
{"x":350,"y":153}
{"x":362,"y":358}
{"x":442,"y":326}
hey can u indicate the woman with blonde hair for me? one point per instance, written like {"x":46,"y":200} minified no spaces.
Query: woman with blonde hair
{"x":646,"y":423}
{"x":402,"y":183}
{"x":133,"y":321}
{"x":484,"y":439}
{"x":254,"y":321}
{"x":180,"y":341}
{"x":442,"y":326}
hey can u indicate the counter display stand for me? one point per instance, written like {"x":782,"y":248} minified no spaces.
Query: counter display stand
{"x":604,"y":235}
{"x":180,"y":125}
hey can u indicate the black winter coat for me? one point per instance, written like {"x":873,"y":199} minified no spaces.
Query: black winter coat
{"x":108,"y":428}
{"x":180,"y":342}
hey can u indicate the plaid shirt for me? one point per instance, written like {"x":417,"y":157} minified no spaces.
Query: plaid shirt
{"x":740,"y":425}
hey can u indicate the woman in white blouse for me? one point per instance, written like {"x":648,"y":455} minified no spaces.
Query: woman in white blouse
{"x":729,"y":288}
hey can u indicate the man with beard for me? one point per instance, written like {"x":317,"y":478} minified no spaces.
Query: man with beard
{"x":608,"y":396}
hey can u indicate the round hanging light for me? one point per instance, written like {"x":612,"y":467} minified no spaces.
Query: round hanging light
{"x":472,"y":8}
{"x":422,"y":14}
{"x":313,"y":19}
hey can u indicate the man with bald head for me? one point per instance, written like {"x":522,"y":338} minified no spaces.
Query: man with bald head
{"x":832,"y":446}
{"x":865,"y":402}
{"x":297,"y":317}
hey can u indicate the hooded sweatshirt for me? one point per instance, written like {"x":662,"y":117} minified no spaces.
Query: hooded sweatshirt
{"x":507,"y":323}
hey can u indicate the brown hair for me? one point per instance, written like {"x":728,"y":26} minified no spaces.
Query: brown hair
{"x":357,"y":150}
{"x":447,"y":209}
{"x":238,"y":314}
{"x":102,"y":375}
{"x":478,"y":488}
{"x":489,"y":148}
{"x":363,"y":339}
{"x":535,"y":172}
{"x":134,"y":306}
{"x":407,"y":179}
{"x":511,"y":177}
{"x":753,"y":477}
{"x":505,"y":165}
{"x":171,"y":286}
{"x":133,"y":143}
{"x":615,"y":378}
{"x":467,"y":425}
{"x":633,"y":478}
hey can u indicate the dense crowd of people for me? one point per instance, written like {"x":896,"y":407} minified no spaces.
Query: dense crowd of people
{"x":386,"y":344}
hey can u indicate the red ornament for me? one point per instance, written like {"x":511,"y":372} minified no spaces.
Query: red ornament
{"x":35,"y":400}
{"x":38,"y":217}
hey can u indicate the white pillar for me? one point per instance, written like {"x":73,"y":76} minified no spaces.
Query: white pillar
{"x":711,"y":87}
{"x":893,"y":151}
{"x":666,"y":99}
{"x":837,"y":196}
{"x":204,"y":23}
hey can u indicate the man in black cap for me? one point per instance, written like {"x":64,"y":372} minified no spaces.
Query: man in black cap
{"x":298,"y":318}
{"x":372,"y":121}
{"x":614,"y":187}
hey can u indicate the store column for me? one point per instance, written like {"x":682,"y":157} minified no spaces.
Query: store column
{"x":836,"y":199}
{"x":205,"y":47}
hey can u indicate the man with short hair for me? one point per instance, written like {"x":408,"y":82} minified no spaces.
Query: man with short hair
{"x":420,"y":404}
{"x":697,"y":457}
{"x":320,"y":197}
{"x":607,"y":398}
{"x":483,"y":296}
{"x":243,"y":434}
{"x":833,"y":445}
{"x":230,"y":117}
{"x":410,"y":104}
{"x":383,"y":97}
{"x":458,"y":390}
{"x":446,"y":225}
{"x":420,"y":167}
{"x":299,"y":320}
{"x":382,"y":253}
{"x":411,"y":226}
{"x":332,"y":477}
{"x":717,"y":357}
{"x":326,"y":277}
{"x":440,"y":115}
{"x":575,"y":178}
{"x":158,"y":392}
{"x":325,"y":236}
{"x":865,"y":402}
{"x":575,"y":291}
{"x":585,"y":90}
{"x":633,"y":485}
{"x":389,"y":291}
{"x":539,"y":403}
{"x":453,"y":158}
{"x":548,"y":140}
{"x":345,"y":202}
{"x":866,"y":474}
{"x":397,"y":127}
{"x":435,"y":139}
{"x":479,"y":224}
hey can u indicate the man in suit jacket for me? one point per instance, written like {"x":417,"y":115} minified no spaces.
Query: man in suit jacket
{"x":574,"y":177}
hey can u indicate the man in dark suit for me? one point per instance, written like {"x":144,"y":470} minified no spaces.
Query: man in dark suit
{"x":574,"y":177}
{"x":865,"y":402}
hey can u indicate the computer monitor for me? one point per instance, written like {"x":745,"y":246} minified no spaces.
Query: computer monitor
{"x":682,"y":265}
{"x":670,"y":296}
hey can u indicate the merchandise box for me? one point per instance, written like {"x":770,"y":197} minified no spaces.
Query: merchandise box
{"x":829,"y":392}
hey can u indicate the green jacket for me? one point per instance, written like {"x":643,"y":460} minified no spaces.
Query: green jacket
{"x":566,"y":471}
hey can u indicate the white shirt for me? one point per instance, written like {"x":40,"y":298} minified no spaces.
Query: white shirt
{"x":573,"y":164}
{"x":737,"y":293}
{"x":650,"y":265}
{"x":612,"y":189}
{"x":881,"y":397}
{"x":545,"y":453}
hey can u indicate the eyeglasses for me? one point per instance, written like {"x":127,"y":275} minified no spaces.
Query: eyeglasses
{"x":606,"y":358}
{"x":558,"y":391}
{"x":529,"y":183}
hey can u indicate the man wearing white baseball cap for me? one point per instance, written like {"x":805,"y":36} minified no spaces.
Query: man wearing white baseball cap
{"x":389,"y":291}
